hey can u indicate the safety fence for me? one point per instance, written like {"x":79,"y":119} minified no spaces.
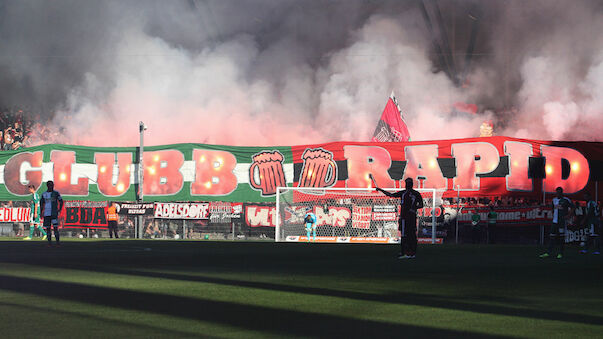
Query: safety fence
{"x":256,"y":221}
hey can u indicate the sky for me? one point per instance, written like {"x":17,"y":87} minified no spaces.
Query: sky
{"x":287,"y":72}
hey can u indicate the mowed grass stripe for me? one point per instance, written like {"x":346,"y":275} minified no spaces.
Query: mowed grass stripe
{"x":406,"y":314}
{"x":214,"y":289}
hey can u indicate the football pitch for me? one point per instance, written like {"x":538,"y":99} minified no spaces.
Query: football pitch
{"x":172,"y":289}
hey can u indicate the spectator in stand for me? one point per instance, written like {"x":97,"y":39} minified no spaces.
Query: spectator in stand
{"x":579,"y":213}
{"x":475,"y":227}
{"x":8,"y":140}
{"x":152,"y":230}
{"x":492,"y":216}
{"x":593,"y":223}
{"x":18,"y":227}
{"x":130,"y":229}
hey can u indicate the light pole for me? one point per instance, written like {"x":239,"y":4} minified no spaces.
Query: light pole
{"x":141,"y":128}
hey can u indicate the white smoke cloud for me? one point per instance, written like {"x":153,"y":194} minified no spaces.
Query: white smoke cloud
{"x":560,"y":71}
{"x":205,"y":96}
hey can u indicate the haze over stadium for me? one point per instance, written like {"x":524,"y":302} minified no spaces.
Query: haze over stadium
{"x":293,"y":72}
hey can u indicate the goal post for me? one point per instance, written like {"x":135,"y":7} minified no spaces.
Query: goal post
{"x":350,"y":215}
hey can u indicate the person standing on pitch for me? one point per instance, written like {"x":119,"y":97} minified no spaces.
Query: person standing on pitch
{"x":51,"y":204}
{"x":592,"y":222}
{"x":562,"y":210}
{"x":310,"y":221}
{"x":410,"y":202}
{"x":112,"y":219}
{"x":35,"y":214}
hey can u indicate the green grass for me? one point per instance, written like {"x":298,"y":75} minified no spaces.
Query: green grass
{"x":118,"y":289}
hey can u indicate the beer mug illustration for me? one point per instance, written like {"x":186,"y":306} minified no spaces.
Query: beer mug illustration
{"x":270,"y":172}
{"x":319,"y":169}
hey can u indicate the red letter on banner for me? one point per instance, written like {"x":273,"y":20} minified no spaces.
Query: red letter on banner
{"x":213,"y":172}
{"x":365,"y":160}
{"x":105,"y":162}
{"x":519,"y":154}
{"x":422,"y":162}
{"x":579,"y":170}
{"x":33,"y":176}
{"x":162,"y":172}
{"x":63,"y":161}
{"x":473,"y":158}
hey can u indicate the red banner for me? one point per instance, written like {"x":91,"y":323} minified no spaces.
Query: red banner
{"x":474,"y":167}
{"x":79,"y":214}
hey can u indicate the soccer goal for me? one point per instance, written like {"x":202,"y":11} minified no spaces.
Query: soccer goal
{"x":350,"y":215}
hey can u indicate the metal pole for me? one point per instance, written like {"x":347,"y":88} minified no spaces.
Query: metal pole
{"x":233,"y":230}
{"x":277,"y":228}
{"x":141,"y":129}
{"x":433,"y":218}
{"x":543,"y":204}
{"x":458,"y":211}
{"x":184,"y":229}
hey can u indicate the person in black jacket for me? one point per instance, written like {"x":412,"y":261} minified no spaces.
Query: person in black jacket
{"x":410,"y":202}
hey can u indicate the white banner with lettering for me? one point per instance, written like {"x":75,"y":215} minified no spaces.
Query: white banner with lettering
{"x":198,"y":210}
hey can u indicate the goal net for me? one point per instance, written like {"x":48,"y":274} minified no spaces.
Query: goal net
{"x":350,"y":215}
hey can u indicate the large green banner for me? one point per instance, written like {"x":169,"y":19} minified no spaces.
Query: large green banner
{"x":179,"y":172}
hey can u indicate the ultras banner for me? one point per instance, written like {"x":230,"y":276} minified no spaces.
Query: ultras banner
{"x":135,"y":208}
{"x":198,"y":172}
{"x":199,"y":210}
{"x":78,"y":214}
{"x":15,"y":214}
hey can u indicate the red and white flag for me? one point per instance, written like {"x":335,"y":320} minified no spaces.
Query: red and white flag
{"x":391,"y":127}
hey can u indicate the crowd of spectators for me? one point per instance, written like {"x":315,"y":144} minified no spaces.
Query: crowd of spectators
{"x":14,"y":130}
{"x":19,"y":128}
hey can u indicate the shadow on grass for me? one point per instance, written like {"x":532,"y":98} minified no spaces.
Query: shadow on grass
{"x":258,"y":318}
{"x":231,"y":256}
{"x":428,"y":300}
{"x":106,"y":322}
